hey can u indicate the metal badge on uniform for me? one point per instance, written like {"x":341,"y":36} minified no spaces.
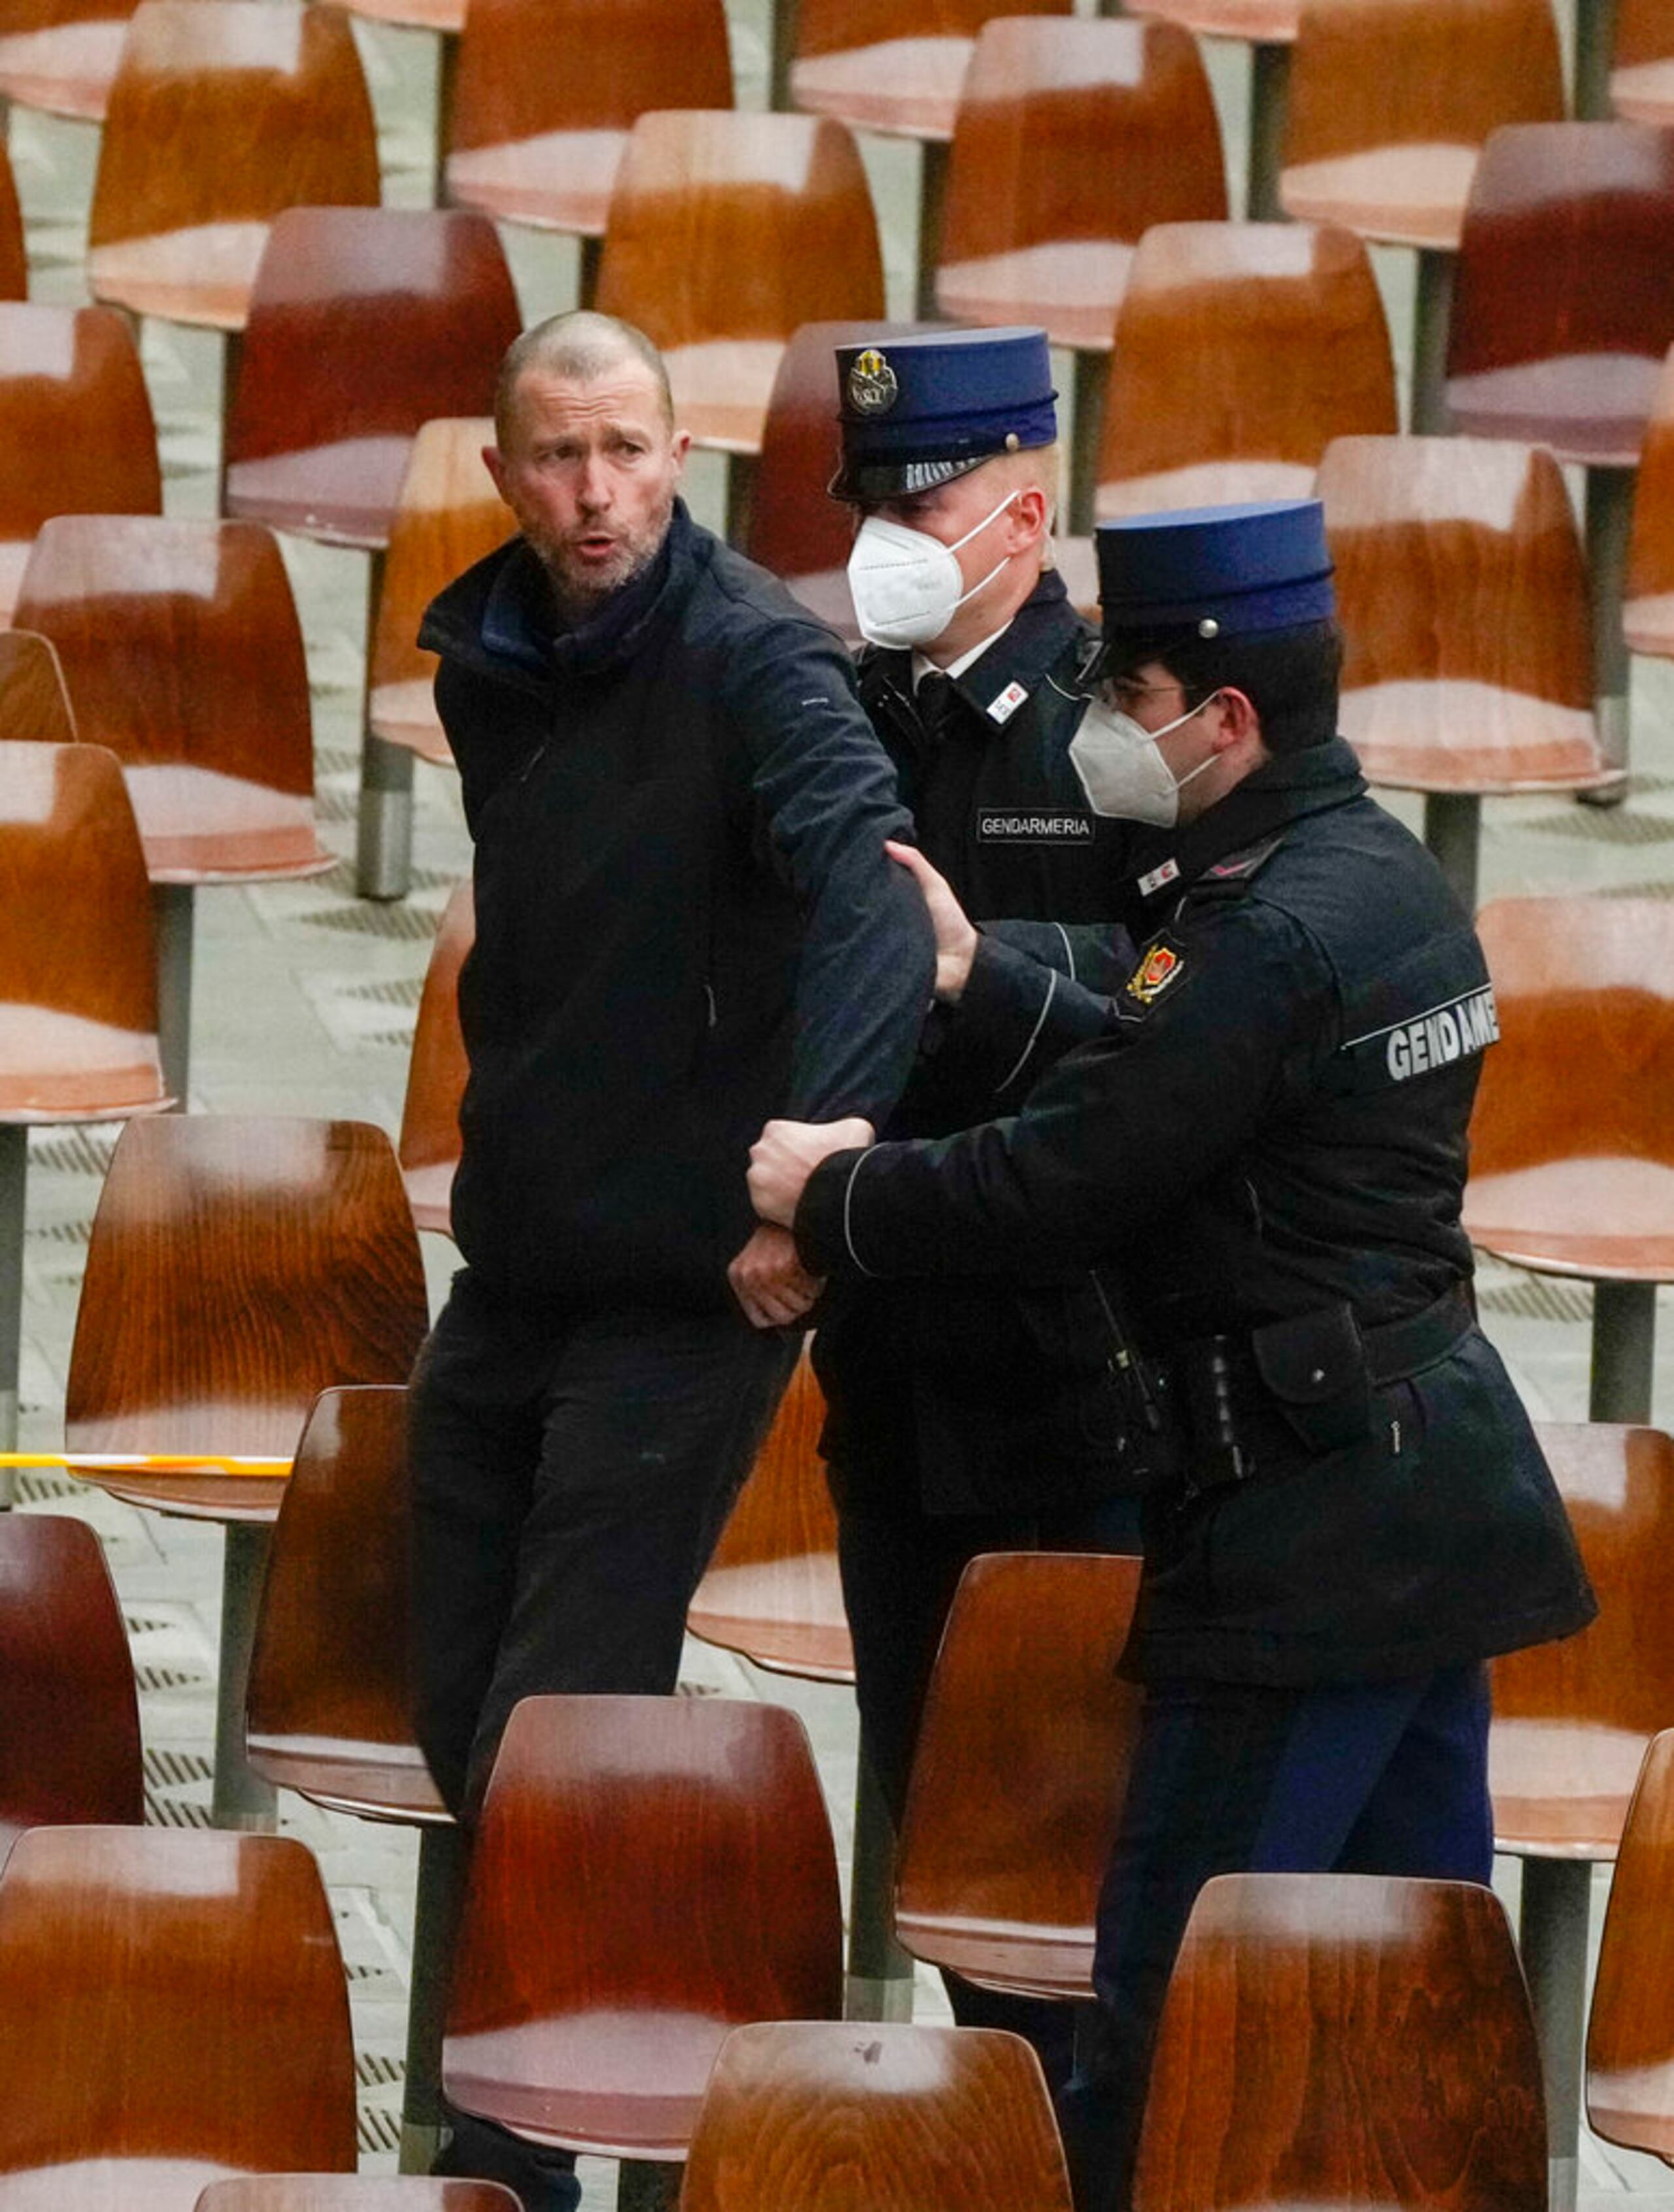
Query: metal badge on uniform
{"x":1004,"y":704}
{"x":1161,"y":968}
{"x":1158,"y":877}
{"x":872,"y":389}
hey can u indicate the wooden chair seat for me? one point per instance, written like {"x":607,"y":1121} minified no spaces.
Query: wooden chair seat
{"x":61,"y":55}
{"x":329,"y":1707}
{"x":70,"y":1745}
{"x":772,"y":1590}
{"x":1391,"y":102}
{"x":533,"y":139}
{"x":354,"y":2192}
{"x":875,"y":2117}
{"x":648,"y":1872}
{"x":78,"y":993}
{"x":76,"y":425}
{"x":1241,"y":351}
{"x":1257,"y":22}
{"x":14,"y":253}
{"x":429,"y":1148}
{"x":1647,"y":613}
{"x":727,"y":232}
{"x":447,"y":517}
{"x":1073,"y":137}
{"x":1020,"y":1771}
{"x":1463,"y":594}
{"x":1344,"y":2039}
{"x":182,"y":652}
{"x":1642,"y":76}
{"x":1564,"y":303}
{"x":174,"y":2011}
{"x":1566,"y":1177}
{"x":218,"y":118}
{"x":33,"y":702}
{"x":364,"y":323}
{"x":1630,"y":2033}
{"x":894,"y":69}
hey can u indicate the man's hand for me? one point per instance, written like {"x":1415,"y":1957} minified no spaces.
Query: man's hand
{"x":769,"y":1282}
{"x":786,"y":1153}
{"x":955,"y":940}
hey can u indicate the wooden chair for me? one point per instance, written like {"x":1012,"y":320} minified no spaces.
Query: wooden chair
{"x":182,"y":652}
{"x":364,"y":324}
{"x":1242,"y":349}
{"x":237,"y":1268}
{"x":429,"y":1143}
{"x":727,"y":232}
{"x":648,"y":1872}
{"x":1641,"y":72}
{"x":1462,"y":593}
{"x":220,"y":117}
{"x":14,"y":254}
{"x":78,"y":977}
{"x":61,"y":55}
{"x":69,"y":1749}
{"x":1389,"y":105}
{"x":173,"y":2011}
{"x":1562,"y":312}
{"x":1019,"y":1777}
{"x":359,"y":2192}
{"x":533,"y":139}
{"x":76,"y":425}
{"x":1268,"y":28}
{"x":1647,"y":613}
{"x":328,"y":1710}
{"x":34,"y":707}
{"x":1630,"y":2035}
{"x":1073,"y":137}
{"x":892,"y":69}
{"x":1344,"y":2039}
{"x":874,"y":2118}
{"x":1572,"y":1178}
{"x":448,"y":516}
{"x":1571,"y":1723}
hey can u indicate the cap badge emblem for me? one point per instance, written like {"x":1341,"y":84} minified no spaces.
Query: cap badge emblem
{"x":872,"y":389}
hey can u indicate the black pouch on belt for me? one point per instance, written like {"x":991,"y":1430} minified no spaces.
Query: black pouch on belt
{"x":1314,"y":1368}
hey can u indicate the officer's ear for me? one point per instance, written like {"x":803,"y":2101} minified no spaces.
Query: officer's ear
{"x":1031,"y":516}
{"x":1238,"y":718}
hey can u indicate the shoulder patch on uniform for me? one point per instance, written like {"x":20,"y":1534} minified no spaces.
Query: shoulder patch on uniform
{"x":1456,"y":1028}
{"x":1161,"y":965}
{"x":1239,"y":867}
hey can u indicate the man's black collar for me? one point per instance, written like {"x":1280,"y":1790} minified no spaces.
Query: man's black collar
{"x":520,"y":624}
{"x":1281,"y":791}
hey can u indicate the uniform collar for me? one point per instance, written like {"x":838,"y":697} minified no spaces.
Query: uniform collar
{"x":1257,"y":811}
{"x":1032,"y":643}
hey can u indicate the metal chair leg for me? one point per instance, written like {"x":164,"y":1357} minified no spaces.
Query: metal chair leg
{"x":1452,"y":830}
{"x":443,"y":1856}
{"x":1610,"y":523}
{"x":1269,"y":94}
{"x":241,"y":1799}
{"x":644,"y":2185}
{"x":1624,"y":1330}
{"x":1553,"y":1936}
{"x":14,"y":1179}
{"x":172,"y":912}
{"x":880,"y":1978}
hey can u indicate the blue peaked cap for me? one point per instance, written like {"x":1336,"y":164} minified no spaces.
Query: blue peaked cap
{"x":918,"y":410}
{"x":1224,"y":571}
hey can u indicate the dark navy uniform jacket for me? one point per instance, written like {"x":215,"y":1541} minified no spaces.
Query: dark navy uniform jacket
{"x":1268,"y":1121}
{"x":964,"y":1397}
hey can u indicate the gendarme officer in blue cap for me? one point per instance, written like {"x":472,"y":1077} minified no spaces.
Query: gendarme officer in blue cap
{"x":957,"y":1421}
{"x":1265,"y":1129}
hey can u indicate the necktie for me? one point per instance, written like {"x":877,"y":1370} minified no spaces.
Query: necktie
{"x":937,"y":702}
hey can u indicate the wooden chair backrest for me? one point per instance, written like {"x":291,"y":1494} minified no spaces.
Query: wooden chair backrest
{"x":76,"y":425}
{"x":438,"y":1069}
{"x":728,"y":231}
{"x":517,"y":77}
{"x":447,"y":517}
{"x":836,"y":27}
{"x":1651,"y":552}
{"x":1580,"y":982}
{"x":1463,"y":595}
{"x":364,"y":323}
{"x":238,"y":1267}
{"x":1345,"y":2039}
{"x":1242,"y":349}
{"x":60,"y":55}
{"x":1563,"y":305}
{"x":354,"y":2192}
{"x":1630,"y":2029}
{"x":223,"y":115}
{"x":34,"y":706}
{"x":666,"y":1862}
{"x":171,"y":1996}
{"x":1022,"y":1749}
{"x":1422,"y":83}
{"x":78,"y":988}
{"x":1641,"y":47}
{"x":875,"y":2117}
{"x":1073,"y":137}
{"x":330,"y":1657}
{"x":772,"y":1588}
{"x":70,"y":1745}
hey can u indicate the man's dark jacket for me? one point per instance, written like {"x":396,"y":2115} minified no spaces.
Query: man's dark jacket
{"x":1266,"y":1125}
{"x":686,"y":920}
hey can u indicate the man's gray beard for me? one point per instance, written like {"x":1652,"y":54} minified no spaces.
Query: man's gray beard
{"x":575,"y":606}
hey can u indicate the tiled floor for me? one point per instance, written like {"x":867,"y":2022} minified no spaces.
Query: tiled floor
{"x":305,"y":1002}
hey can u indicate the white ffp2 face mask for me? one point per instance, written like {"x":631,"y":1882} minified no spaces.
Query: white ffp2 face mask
{"x":1121,"y":770}
{"x":907,"y":586}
